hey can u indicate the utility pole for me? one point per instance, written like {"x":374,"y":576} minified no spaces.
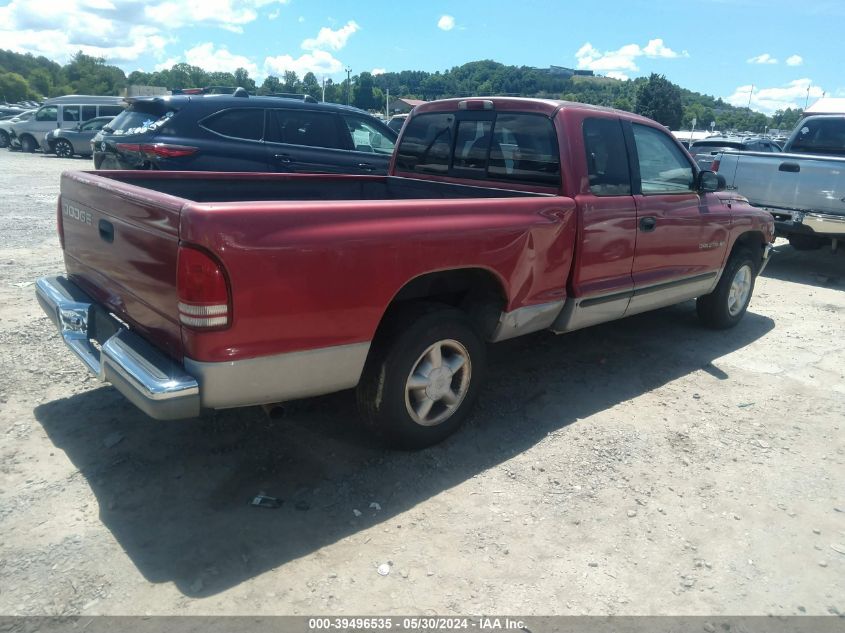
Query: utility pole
{"x":387,"y":106}
{"x":750,"y":94}
{"x":348,"y":83}
{"x":807,"y":101}
{"x":324,"y":89}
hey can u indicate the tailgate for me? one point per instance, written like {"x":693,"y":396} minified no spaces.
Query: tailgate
{"x":790,"y":181}
{"x":121,"y":244}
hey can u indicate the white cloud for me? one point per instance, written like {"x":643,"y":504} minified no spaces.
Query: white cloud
{"x":792,"y":95}
{"x":220,"y":60}
{"x":118,"y":30}
{"x":794,"y":60}
{"x":318,"y":62}
{"x":446,"y":23}
{"x":167,"y":64}
{"x":301,"y":19}
{"x":615,"y":63}
{"x":377,"y":71}
{"x":327,"y":38}
{"x":765,"y":58}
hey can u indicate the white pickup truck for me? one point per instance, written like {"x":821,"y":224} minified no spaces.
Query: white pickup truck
{"x":803,"y":188}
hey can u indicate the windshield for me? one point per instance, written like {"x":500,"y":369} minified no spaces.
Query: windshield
{"x":140,"y":117}
{"x":710,"y":146}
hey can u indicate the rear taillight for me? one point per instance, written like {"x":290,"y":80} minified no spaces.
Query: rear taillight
{"x":162,"y":150}
{"x":714,"y":166}
{"x":203,"y":290}
{"x":60,"y":226}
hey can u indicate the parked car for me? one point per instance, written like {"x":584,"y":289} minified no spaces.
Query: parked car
{"x":6,"y":126}
{"x":67,"y":142}
{"x":61,"y":112}
{"x":706,"y":150}
{"x":396,"y":122}
{"x":501,"y":217}
{"x":243,"y":133}
{"x":803,"y":188}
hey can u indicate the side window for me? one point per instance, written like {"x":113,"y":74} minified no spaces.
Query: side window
{"x":88,"y":112}
{"x":47,"y":113}
{"x":245,"y":123}
{"x":607,"y":158}
{"x":524,"y":149}
{"x":94,"y":125}
{"x":110,"y":110}
{"x":306,"y":127}
{"x":426,"y":144}
{"x":663,"y":167}
{"x":70,"y":113}
{"x":366,"y":137}
{"x":822,"y":135}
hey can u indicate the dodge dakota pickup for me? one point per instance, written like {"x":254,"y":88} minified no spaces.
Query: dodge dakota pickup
{"x":803,"y":188}
{"x":192,"y":291}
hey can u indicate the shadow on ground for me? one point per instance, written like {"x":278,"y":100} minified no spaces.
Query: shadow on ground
{"x":176,"y":495}
{"x":822,"y":268}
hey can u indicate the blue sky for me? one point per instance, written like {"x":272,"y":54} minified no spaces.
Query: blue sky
{"x":721,"y":47}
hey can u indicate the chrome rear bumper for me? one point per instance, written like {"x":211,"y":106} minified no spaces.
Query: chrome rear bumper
{"x":153,"y":382}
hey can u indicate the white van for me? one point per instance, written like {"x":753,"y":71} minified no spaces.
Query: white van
{"x":63,"y":112}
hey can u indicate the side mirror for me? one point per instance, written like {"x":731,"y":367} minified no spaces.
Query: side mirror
{"x":709,"y":181}
{"x":375,"y":139}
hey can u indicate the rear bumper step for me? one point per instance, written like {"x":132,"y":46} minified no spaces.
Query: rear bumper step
{"x":153,"y":382}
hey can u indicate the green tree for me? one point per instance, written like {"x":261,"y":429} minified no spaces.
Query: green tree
{"x":243,"y":80}
{"x":364,"y":97}
{"x":270,"y":85}
{"x":660,"y":99}
{"x":13,"y":87}
{"x":291,"y":82}
{"x":41,"y":81}
{"x":311,"y":86}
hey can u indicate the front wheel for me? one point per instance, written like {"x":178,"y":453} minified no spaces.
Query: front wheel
{"x":423,"y":375}
{"x":28,"y":144}
{"x":725,"y":306}
{"x":63,"y":148}
{"x":4,"y":138}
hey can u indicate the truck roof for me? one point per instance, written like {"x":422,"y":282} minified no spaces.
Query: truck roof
{"x":521,"y":104}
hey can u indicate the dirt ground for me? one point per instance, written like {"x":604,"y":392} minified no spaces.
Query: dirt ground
{"x":647,"y":466}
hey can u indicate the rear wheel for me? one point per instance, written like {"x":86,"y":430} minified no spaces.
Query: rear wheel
{"x":4,"y":138}
{"x":63,"y":148}
{"x":28,"y":144}
{"x":726,"y":305}
{"x":423,"y":375}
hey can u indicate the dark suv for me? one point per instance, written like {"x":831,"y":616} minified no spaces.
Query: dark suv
{"x":243,"y":133}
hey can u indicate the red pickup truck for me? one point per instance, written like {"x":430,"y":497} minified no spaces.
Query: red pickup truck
{"x":499,"y":217}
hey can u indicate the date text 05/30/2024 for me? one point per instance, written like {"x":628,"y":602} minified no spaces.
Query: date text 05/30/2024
{"x":415,"y":624}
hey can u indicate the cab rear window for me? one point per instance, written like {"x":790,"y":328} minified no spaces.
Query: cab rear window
{"x":513,"y":147}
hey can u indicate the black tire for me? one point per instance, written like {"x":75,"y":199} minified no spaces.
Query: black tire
{"x":4,"y":138}
{"x":404,"y":346}
{"x":28,"y":144}
{"x":802,"y":242}
{"x":63,"y":148}
{"x":721,"y":309}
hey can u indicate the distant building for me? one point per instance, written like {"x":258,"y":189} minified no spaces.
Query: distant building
{"x":827,"y":105}
{"x":403,"y":106}
{"x":568,"y":73}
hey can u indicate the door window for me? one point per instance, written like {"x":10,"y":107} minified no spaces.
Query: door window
{"x":244,"y":123}
{"x":305,"y":127}
{"x":366,"y":137}
{"x":70,"y":113}
{"x":607,"y":158}
{"x":47,"y":113}
{"x":663,"y":166}
{"x":110,"y":110}
{"x":96,"y":124}
{"x":88,"y":112}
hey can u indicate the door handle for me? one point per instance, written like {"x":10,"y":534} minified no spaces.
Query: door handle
{"x":648,"y":224}
{"x":790,"y":167}
{"x":366,"y":166}
{"x":283,"y":158}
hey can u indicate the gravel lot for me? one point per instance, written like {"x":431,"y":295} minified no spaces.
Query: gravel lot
{"x":647,"y":466}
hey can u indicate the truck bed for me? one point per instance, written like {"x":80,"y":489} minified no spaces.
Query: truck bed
{"x":252,"y":187}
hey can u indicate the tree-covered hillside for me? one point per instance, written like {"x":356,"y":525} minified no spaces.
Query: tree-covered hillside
{"x":30,"y":77}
